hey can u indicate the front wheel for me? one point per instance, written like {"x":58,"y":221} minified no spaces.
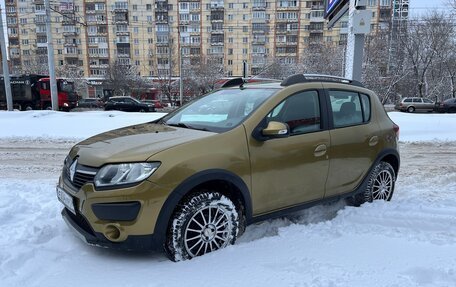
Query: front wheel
{"x":204,"y":222}
{"x":410,"y":109}
{"x":380,"y":185}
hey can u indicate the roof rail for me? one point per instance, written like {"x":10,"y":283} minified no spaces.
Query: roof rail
{"x":306,"y":78}
{"x":233,"y":82}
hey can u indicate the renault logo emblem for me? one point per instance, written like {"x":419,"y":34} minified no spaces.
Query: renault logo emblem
{"x":73,"y":169}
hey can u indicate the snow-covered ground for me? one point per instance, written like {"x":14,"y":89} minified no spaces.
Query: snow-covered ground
{"x":410,"y":241}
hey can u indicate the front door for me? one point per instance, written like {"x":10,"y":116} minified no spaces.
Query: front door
{"x":293,"y":170}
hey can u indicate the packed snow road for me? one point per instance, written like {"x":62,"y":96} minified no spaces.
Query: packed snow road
{"x":410,"y":241}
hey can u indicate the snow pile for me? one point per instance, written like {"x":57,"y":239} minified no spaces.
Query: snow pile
{"x":75,"y":125}
{"x":425,"y":127}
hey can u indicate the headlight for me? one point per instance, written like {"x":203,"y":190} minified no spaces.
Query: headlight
{"x":124,"y":173}
{"x":65,"y":104}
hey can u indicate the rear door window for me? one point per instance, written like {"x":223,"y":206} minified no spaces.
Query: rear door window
{"x":348,"y":109}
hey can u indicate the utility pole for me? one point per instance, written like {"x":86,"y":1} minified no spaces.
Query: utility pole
{"x":359,"y":20}
{"x":181,"y":76}
{"x":50,"y":52}
{"x":6,"y":76}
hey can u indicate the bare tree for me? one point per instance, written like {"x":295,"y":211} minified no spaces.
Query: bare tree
{"x":202,"y":76}
{"x":121,"y":79}
{"x":165,"y":65}
{"x":425,"y":39}
{"x":323,"y":58}
{"x":34,"y":64}
{"x":277,"y":68}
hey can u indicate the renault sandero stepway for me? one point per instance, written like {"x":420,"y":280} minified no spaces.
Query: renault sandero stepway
{"x":189,"y":183}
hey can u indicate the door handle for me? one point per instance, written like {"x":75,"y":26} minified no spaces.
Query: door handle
{"x":373,"y":141}
{"x":320,"y":150}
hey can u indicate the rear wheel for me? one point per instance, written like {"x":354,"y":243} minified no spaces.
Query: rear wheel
{"x":204,"y":222}
{"x":410,"y":109}
{"x":380,"y":185}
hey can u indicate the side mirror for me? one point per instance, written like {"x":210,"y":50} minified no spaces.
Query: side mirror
{"x":276,"y":130}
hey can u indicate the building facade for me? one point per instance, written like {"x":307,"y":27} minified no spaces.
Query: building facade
{"x":153,"y":35}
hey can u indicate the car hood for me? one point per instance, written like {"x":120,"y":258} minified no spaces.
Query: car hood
{"x":132,"y":144}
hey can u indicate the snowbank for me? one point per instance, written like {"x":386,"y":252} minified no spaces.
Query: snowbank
{"x":78,"y":125}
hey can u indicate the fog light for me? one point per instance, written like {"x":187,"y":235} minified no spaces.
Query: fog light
{"x":112,"y":232}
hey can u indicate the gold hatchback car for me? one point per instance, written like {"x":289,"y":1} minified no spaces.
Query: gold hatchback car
{"x":190,"y":182}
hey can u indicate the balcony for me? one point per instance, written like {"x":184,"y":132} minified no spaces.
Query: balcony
{"x":293,"y":20}
{"x":120,"y":10}
{"x":317,"y":7}
{"x":40,"y":12}
{"x":98,"y":66}
{"x":69,"y":33}
{"x":70,"y":44}
{"x":259,"y":7}
{"x":161,"y":8}
{"x":41,"y":45}
{"x":12,"y":25}
{"x":122,"y":33}
{"x":120,"y":21}
{"x":258,"y":41}
{"x":123,"y":55}
{"x":39,"y":2}
{"x":291,"y":8}
{"x":316,"y":19}
{"x":67,"y":11}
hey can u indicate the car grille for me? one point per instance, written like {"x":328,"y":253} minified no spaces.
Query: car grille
{"x":84,"y":174}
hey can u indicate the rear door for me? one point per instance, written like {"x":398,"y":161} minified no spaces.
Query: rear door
{"x":354,"y":140}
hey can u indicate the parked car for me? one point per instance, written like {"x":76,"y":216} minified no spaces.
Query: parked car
{"x":156,"y":103}
{"x":90,"y":103}
{"x":190,"y":182}
{"x":128,"y":104}
{"x":447,"y":106}
{"x":413,"y":104}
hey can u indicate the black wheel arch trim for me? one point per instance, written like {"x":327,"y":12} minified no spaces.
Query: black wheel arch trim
{"x":187,"y":186}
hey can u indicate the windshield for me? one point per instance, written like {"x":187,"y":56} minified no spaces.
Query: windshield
{"x":221,"y":110}
{"x":66,"y":86}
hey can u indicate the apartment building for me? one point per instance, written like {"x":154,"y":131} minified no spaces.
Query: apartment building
{"x":154,"y":35}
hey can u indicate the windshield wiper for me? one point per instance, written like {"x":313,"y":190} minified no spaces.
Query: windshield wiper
{"x":180,"y":125}
{"x":186,"y":126}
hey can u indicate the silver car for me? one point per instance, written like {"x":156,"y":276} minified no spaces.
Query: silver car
{"x":413,"y":104}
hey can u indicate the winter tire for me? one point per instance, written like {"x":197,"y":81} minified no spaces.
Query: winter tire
{"x":410,"y":109}
{"x":380,"y":185}
{"x":204,"y":222}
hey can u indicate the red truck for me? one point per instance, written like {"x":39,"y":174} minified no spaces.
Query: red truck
{"x":33,"y":92}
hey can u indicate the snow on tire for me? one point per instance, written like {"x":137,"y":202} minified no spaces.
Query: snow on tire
{"x":380,"y":185}
{"x":205,"y":222}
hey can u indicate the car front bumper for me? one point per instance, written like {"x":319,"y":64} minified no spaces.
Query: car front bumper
{"x":81,"y":229}
{"x":121,"y":219}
